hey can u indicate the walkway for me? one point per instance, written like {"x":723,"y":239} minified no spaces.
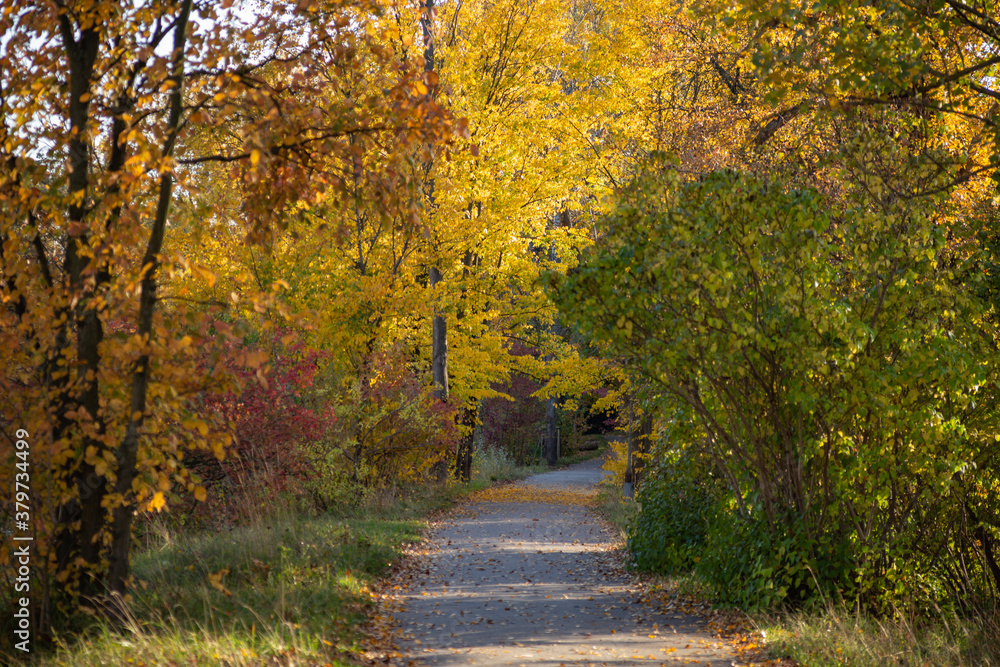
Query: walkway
{"x":532,"y":580}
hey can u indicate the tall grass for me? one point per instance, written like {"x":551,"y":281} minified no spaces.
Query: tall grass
{"x":836,"y":636}
{"x":495,"y":464}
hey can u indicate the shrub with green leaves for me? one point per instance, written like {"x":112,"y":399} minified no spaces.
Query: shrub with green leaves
{"x":835,"y":356}
{"x":747,"y":565}
{"x":677,"y":501}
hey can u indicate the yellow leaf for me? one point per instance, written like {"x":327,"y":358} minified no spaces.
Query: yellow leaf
{"x":157,"y":502}
{"x":200,"y":494}
{"x":254,"y":157}
{"x":215,"y":580}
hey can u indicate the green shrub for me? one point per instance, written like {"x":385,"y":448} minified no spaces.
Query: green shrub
{"x":668,"y":534}
{"x":833,"y":351}
{"x":688,"y":522}
{"x":747,"y":566}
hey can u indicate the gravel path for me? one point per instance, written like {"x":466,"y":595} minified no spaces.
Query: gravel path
{"x":535,"y":582}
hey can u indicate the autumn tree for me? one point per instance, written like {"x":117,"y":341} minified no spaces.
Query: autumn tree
{"x":489,"y":215}
{"x":111,"y":115}
{"x":503,"y":204}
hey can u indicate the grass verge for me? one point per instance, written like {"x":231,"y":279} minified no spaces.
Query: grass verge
{"x":615,"y":507}
{"x":581,"y":456}
{"x":290,"y":589}
{"x":492,"y":464}
{"x":835,"y":636}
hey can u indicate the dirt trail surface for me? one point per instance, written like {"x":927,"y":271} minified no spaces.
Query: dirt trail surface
{"x":526,"y":575}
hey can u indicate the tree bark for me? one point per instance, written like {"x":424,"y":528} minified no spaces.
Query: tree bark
{"x":551,"y":455}
{"x":439,"y":345}
{"x":643,"y":445}
{"x":80,"y":520}
{"x":439,"y":334}
{"x":463,"y":458}
{"x":464,"y":451}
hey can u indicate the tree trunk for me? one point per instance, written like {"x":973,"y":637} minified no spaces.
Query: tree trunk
{"x":643,"y":445}
{"x":551,"y":455}
{"x":464,"y":451}
{"x":82,"y":519}
{"x":463,"y":457}
{"x":439,"y":345}
{"x":439,"y":335}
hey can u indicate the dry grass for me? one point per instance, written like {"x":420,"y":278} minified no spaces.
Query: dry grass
{"x":836,"y":637}
{"x":495,"y":464}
